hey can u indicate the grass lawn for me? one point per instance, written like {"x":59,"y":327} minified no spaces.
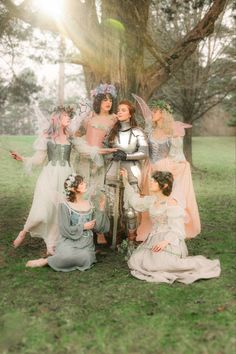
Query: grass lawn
{"x":105,"y":310}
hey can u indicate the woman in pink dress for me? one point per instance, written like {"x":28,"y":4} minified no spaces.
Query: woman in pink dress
{"x":165,"y":140}
{"x":95,"y":127}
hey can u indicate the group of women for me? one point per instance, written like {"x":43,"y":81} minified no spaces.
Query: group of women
{"x":124,"y":178}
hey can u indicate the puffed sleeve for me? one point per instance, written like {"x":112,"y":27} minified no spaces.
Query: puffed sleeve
{"x":40,"y":147}
{"x":66,"y":229}
{"x":102,"y":221}
{"x":176,"y":151}
{"x":140,"y":204}
{"x":82,"y":147}
{"x":175,"y":216}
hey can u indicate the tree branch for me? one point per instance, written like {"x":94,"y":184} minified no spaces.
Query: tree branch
{"x":156,"y":75}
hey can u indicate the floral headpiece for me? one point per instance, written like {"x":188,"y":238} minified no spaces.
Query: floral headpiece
{"x":69,"y":184}
{"x":104,"y":89}
{"x":67,"y":109}
{"x":160,"y":104}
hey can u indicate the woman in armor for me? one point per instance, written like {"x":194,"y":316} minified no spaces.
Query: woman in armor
{"x":131,"y":144}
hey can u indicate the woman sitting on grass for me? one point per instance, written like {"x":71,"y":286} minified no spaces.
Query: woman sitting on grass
{"x":163,"y":257}
{"x":77,"y":218}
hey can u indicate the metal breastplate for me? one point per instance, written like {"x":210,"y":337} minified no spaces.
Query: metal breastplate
{"x":126,"y":141}
{"x":58,"y":153}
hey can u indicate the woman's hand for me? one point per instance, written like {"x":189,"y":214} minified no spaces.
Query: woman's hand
{"x":160,"y":246}
{"x":124,"y":173}
{"x":104,"y":151}
{"x":90,"y":225}
{"x":16,"y":156}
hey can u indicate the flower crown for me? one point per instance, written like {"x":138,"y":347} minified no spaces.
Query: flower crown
{"x":160,"y":104}
{"x":104,"y":89}
{"x":69,"y":184}
{"x":67,"y":109}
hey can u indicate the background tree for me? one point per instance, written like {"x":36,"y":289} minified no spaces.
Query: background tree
{"x":207,"y":76}
{"x":111,"y":38}
{"x":15,"y":107}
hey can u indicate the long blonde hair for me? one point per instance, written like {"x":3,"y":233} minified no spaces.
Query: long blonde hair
{"x":167,"y":121}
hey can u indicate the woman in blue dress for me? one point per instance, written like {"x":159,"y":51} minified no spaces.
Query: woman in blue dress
{"x":77,"y":218}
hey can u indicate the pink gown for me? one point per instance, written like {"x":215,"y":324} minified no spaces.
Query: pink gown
{"x":91,"y":163}
{"x":167,"y":155}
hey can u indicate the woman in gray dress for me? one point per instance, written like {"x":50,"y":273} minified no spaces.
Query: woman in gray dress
{"x":77,"y":218}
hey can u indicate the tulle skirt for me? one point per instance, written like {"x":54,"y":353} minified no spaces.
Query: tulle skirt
{"x":42,"y":220}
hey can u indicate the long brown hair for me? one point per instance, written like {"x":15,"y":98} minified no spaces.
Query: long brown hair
{"x":117,"y":126}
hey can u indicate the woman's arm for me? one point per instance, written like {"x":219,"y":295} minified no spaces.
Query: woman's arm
{"x":40,"y":146}
{"x":138,"y":203}
{"x":66,"y":229}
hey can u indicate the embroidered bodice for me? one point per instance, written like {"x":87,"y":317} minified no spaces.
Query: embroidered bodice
{"x":81,"y":217}
{"x":58,"y":153}
{"x":158,"y":148}
{"x":96,"y":131}
{"x":165,"y":218}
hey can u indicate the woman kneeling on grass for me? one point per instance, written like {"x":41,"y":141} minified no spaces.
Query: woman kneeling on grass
{"x":77,"y":218}
{"x":163,"y":257}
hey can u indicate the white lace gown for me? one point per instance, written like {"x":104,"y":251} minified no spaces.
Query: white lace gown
{"x":173,"y":263}
{"x":42,"y":220}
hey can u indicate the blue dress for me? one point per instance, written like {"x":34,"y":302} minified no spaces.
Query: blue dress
{"x":75,"y":248}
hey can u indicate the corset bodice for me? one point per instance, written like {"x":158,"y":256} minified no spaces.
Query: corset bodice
{"x":158,"y":149}
{"x":81,"y":218}
{"x":58,"y":153}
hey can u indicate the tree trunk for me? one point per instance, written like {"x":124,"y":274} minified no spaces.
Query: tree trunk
{"x":188,"y":146}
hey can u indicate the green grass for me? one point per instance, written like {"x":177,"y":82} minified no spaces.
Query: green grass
{"x":105,"y":310}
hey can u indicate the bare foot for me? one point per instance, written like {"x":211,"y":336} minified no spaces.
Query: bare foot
{"x":50,"y":250}
{"x":41,"y":262}
{"x":20,"y":238}
{"x":101,"y":239}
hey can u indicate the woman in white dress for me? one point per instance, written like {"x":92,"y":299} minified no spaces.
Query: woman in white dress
{"x":54,"y":146}
{"x":163,"y":256}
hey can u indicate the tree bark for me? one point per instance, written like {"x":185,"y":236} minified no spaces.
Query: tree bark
{"x":188,"y":146}
{"x":112,"y":54}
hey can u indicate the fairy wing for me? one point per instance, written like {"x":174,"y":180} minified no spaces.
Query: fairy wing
{"x":42,"y":122}
{"x":146,"y":112}
{"x":83,"y":111}
{"x":179,"y":128}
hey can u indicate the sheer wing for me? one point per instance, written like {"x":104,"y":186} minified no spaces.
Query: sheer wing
{"x":83,"y":111}
{"x":146,"y":112}
{"x":42,"y":122}
{"x":179,"y":128}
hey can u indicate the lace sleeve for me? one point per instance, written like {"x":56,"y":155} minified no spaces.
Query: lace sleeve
{"x":92,"y":152}
{"x":40,"y":147}
{"x":134,"y":200}
{"x":176,"y":150}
